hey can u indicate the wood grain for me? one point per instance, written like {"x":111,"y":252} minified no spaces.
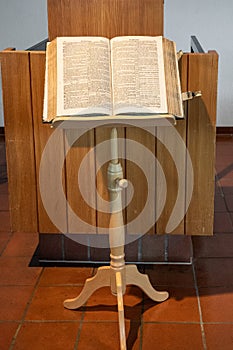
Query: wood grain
{"x":108,"y":18}
{"x":201,"y":133}
{"x":19,"y":140}
{"x":167,"y":136}
{"x":42,"y":134}
{"x":142,"y":179}
{"x":81,"y":192}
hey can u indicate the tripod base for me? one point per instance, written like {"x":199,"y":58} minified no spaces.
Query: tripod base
{"x":117,"y":279}
{"x":117,"y":276}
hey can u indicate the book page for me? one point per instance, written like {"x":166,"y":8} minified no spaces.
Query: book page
{"x":138,"y":75}
{"x":172,"y":79}
{"x":83,"y":73}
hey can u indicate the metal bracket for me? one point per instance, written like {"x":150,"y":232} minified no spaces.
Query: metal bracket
{"x":189,"y":95}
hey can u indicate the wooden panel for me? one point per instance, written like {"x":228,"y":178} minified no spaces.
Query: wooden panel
{"x":141,"y":177}
{"x":202,"y":75}
{"x":108,"y":18}
{"x":81,"y":191}
{"x":171,"y":162}
{"x":42,"y":134}
{"x":169,"y":138}
{"x":19,"y":140}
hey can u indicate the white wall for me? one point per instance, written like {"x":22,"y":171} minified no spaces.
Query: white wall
{"x":212,"y":22}
{"x":24,"y":23}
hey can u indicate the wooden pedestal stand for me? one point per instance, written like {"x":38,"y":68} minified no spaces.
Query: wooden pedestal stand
{"x":117,"y":275}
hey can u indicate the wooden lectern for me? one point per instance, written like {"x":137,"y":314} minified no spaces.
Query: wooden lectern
{"x":26,"y":136}
{"x":116,"y":276}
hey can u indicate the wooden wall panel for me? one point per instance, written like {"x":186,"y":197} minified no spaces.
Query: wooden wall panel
{"x":168,"y":137}
{"x":108,"y":18}
{"x":81,"y":193}
{"x":26,"y":136}
{"x":201,"y":134}
{"x":19,"y":140}
{"x":42,"y":134}
{"x":142,"y":179}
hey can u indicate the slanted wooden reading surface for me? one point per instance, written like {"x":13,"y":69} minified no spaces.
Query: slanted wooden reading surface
{"x":124,"y":76}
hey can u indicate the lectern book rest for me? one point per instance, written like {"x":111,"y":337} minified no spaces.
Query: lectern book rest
{"x":124,"y":76}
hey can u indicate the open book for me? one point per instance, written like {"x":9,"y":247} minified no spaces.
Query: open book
{"x":95,"y":76}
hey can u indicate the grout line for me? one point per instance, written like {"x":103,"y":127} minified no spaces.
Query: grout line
{"x":51,"y":321}
{"x":171,"y":322}
{"x":62,"y":285}
{"x":79,"y":330}
{"x":142,"y":323}
{"x":6,"y":243}
{"x":141,"y":336}
{"x":199,"y":308}
{"x":65,"y":321}
{"x":25,"y":311}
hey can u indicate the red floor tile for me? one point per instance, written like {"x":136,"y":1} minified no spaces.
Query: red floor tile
{"x":47,"y":336}
{"x":217,"y":246}
{"x":47,"y":304}
{"x":219,"y":204}
{"x":21,"y":244}
{"x":4,"y":239}
{"x":219,"y":336}
{"x":105,"y":336}
{"x":214,"y":272}
{"x":133,"y":304}
{"x":4,"y":188}
{"x":229,"y":202}
{"x":227,"y":187}
{"x":179,"y":248}
{"x":4,"y":203}
{"x":15,"y":271}
{"x":65,"y":275}
{"x":231,"y":215}
{"x":170,"y":275}
{"x":152,"y":247}
{"x":180,"y":307}
{"x":172,"y":337}
{"x":224,"y":169}
{"x":13,"y":301}
{"x":223,"y":164}
{"x":173,"y":324}
{"x":7,"y":332}
{"x":222,"y":223}
{"x":4,"y":221}
{"x":216,"y":304}
{"x":3,"y":243}
{"x":102,"y":306}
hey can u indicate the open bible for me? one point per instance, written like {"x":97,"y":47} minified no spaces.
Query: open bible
{"x":124,"y":76}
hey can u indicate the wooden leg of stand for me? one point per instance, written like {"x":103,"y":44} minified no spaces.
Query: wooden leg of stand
{"x":121,"y":317}
{"x":101,"y":279}
{"x":133,"y":276}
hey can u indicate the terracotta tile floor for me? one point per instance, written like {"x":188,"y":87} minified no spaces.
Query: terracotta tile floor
{"x":198,"y":315}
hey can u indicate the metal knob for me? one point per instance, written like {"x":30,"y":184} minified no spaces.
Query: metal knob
{"x":122,"y":183}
